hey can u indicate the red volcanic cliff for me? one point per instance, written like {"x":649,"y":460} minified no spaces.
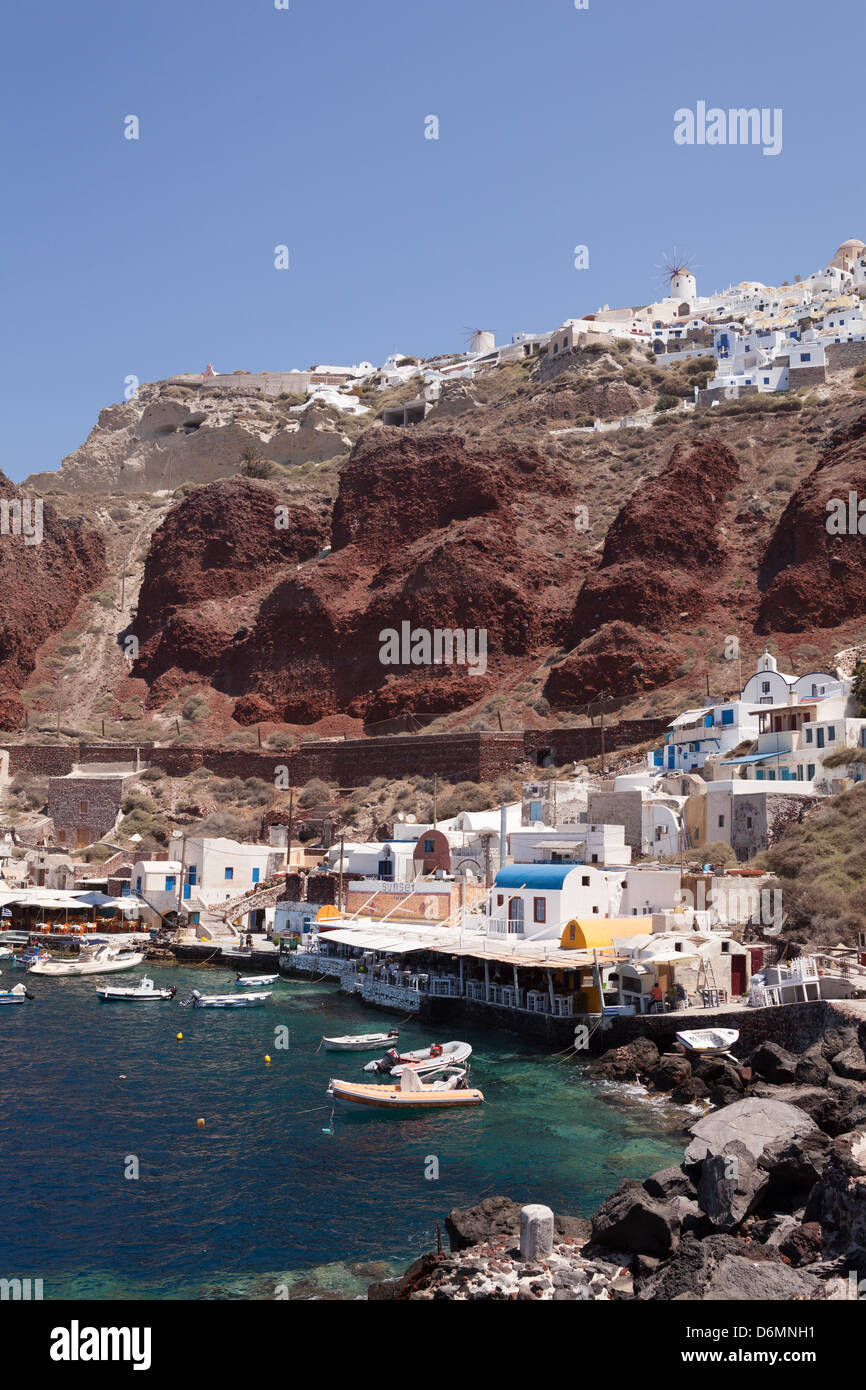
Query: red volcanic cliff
{"x":427,"y":530}
{"x":40,"y":586}
{"x":213,"y":553}
{"x":666,"y":549}
{"x":811,"y":576}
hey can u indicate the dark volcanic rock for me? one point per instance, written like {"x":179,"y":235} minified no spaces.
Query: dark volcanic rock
{"x":690,"y":1090}
{"x":730,"y":1186}
{"x":671,"y":1071}
{"x":721,"y":1266}
{"x":804,"y":1245}
{"x":774,"y":1063}
{"x":812,"y":1071}
{"x":627,"y":1063}
{"x":838,"y":1201}
{"x":498,"y":1217}
{"x":632,"y":1220}
{"x":850,"y":1063}
{"x":754,"y":1122}
{"x":670,"y":1182}
{"x":794,"y":1166}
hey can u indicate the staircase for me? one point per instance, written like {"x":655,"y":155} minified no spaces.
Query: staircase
{"x":247,"y":902}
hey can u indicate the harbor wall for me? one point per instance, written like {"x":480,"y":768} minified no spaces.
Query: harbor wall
{"x":473,"y":757}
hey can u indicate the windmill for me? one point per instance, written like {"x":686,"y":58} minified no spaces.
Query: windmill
{"x":480,"y":339}
{"x":677,"y":274}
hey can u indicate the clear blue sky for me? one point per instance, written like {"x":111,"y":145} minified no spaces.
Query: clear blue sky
{"x":305,"y":126}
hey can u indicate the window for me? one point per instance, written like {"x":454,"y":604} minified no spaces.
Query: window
{"x":539,"y":909}
{"x":82,"y":807}
{"x":256,"y":874}
{"x":229,"y":874}
{"x":169,"y":883}
{"x":138,"y":885}
{"x":765,"y":686}
{"x":124,"y":890}
{"x":831,"y":733}
{"x":515,"y":915}
{"x":727,"y":716}
{"x":499,"y":900}
{"x":805,"y":357}
{"x":658,"y":832}
{"x":810,"y":772}
{"x":534,"y":810}
{"x":721,"y":820}
{"x":192,"y":874}
{"x":584,"y":880}
{"x":808,"y":735}
{"x":429,"y":847}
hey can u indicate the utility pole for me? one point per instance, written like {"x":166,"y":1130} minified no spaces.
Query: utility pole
{"x":601,"y":707}
{"x":340,"y":885}
{"x":289,"y":836}
{"x":182,"y":871}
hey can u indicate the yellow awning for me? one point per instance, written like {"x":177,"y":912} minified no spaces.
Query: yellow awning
{"x":582,"y":933}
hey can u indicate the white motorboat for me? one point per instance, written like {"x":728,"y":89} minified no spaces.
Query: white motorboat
{"x":227,"y":1001}
{"x":410,"y":1093}
{"x":424,"y":1061}
{"x":16,"y":995}
{"x":250,"y":981}
{"x":145,"y":991}
{"x":361,"y":1042}
{"x":708,"y":1042}
{"x":91,"y":960}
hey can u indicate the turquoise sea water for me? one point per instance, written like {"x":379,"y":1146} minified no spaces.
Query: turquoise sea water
{"x":271,"y":1191}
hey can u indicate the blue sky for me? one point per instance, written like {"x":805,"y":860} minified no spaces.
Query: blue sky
{"x":305,"y":127}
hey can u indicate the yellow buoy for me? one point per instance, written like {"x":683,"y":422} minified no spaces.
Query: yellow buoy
{"x":180,"y":1037}
{"x":267,"y":1058}
{"x":200,"y":1123}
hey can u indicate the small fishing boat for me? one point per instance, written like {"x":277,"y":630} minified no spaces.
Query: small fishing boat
{"x":361,"y":1042}
{"x":227,"y":1001}
{"x":5,"y":952}
{"x":250,"y":981}
{"x":424,"y":1061}
{"x":29,"y":957}
{"x":145,"y":990}
{"x":708,"y":1042}
{"x":16,"y":995}
{"x":410,"y":1092}
{"x":91,"y":960}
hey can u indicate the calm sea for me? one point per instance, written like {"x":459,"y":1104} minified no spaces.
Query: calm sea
{"x":271,"y":1191}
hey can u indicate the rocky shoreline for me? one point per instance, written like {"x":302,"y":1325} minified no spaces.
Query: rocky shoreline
{"x":769,"y":1202}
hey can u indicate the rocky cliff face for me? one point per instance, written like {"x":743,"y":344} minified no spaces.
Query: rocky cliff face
{"x":813,"y":576}
{"x":428,"y":531}
{"x":169,"y":434}
{"x":209,"y":564}
{"x":40,"y":586}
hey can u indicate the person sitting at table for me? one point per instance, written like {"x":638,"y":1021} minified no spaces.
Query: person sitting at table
{"x":657,"y":999}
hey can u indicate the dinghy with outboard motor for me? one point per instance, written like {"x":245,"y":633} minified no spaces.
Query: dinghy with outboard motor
{"x":424,"y":1061}
{"x":227,"y":1001}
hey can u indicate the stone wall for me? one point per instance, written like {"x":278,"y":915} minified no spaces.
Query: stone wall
{"x":842,"y":355}
{"x":473,"y":757}
{"x":84,"y":809}
{"x":806,"y":376}
{"x":618,"y":808}
{"x":793,"y":1026}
